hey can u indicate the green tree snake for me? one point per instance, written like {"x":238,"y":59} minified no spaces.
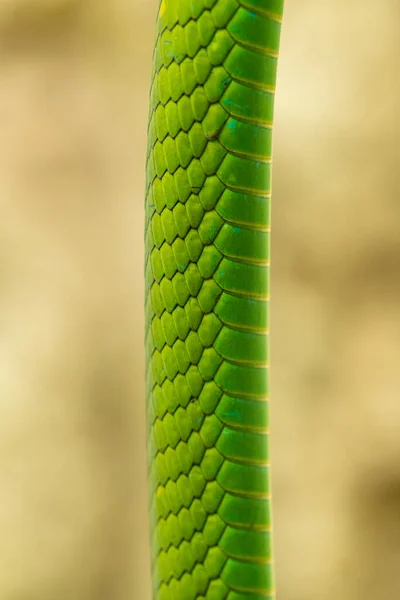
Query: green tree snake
{"x":207,"y":291}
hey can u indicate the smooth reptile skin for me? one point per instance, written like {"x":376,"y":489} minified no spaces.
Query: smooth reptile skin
{"x":207,"y":280}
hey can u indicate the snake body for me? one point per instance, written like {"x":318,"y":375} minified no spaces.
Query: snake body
{"x":207,"y":279}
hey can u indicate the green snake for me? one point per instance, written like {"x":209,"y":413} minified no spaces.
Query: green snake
{"x":207,"y":248}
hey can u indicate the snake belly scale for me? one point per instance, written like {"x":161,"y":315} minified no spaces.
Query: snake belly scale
{"x":207,"y":287}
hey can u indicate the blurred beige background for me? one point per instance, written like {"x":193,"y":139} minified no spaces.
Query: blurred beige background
{"x":74,"y":79}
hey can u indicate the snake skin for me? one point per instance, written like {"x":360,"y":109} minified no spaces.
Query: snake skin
{"x":207,"y":278}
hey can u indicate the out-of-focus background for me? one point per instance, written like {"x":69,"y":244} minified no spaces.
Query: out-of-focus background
{"x":74,"y":80}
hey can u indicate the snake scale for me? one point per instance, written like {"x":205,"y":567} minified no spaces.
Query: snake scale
{"x":207,"y":252}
